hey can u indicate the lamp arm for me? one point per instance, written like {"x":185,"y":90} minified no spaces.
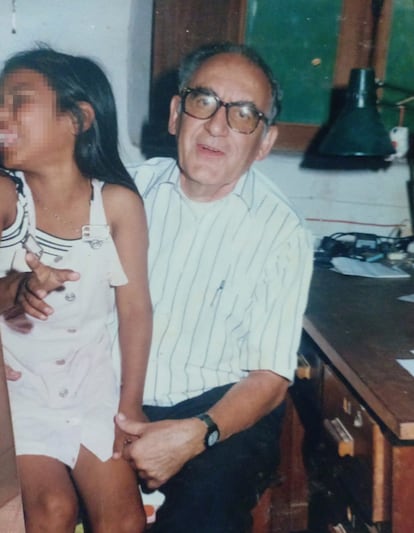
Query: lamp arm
{"x":386,"y":85}
{"x":409,"y":98}
{"x":405,"y":100}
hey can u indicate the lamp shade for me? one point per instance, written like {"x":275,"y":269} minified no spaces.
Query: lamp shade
{"x":358,"y":130}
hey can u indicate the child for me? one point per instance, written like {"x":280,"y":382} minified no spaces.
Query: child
{"x":73,"y":252}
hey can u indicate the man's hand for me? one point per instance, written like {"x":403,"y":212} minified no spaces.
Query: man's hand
{"x":158,"y":450}
{"x":134,"y":415}
{"x":39,"y":284}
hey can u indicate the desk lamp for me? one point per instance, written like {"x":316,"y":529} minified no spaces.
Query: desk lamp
{"x":358,"y":130}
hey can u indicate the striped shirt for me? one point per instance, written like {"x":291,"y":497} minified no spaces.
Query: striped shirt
{"x":229,"y":281}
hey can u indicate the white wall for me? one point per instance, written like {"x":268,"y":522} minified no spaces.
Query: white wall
{"x":115,"y":33}
{"x":118,"y":34}
{"x":344,"y":201}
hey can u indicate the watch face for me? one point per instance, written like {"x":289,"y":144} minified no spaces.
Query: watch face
{"x":212,"y":438}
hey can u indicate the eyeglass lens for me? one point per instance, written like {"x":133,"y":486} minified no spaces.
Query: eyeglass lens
{"x":242,"y":117}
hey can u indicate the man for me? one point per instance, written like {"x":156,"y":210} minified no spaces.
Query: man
{"x":230,"y":265}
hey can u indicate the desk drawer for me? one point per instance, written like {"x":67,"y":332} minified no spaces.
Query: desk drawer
{"x":309,"y":375}
{"x":363,"y":454}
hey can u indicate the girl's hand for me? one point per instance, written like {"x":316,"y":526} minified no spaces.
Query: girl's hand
{"x":36,"y":285}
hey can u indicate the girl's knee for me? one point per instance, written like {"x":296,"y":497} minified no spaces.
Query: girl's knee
{"x":53,"y":510}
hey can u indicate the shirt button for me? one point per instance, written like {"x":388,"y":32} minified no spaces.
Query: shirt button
{"x":70,"y":296}
{"x":71,"y":330}
{"x":63,"y":393}
{"x":95,"y":244}
{"x":60,"y":362}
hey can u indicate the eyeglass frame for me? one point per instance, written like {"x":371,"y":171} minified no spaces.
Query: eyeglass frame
{"x":227,"y":105}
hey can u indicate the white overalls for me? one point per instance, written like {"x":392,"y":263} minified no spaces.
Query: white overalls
{"x":68,"y":393}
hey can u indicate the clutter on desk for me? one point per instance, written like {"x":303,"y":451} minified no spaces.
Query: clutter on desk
{"x":366,"y":248}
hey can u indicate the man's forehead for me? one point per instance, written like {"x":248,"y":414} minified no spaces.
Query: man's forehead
{"x":232,"y":72}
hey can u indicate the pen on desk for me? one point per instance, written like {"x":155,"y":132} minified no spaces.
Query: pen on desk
{"x":218,"y":290}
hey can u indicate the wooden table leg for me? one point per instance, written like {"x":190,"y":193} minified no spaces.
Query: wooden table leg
{"x":403,"y":489}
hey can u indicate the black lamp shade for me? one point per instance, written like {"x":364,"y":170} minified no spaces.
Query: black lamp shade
{"x":358,"y":130}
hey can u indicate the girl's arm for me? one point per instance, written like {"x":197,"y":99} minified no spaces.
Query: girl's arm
{"x":126,"y":215}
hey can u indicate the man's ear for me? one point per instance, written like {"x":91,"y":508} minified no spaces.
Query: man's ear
{"x":88,"y":116}
{"x":175,"y":113}
{"x":267,"y":142}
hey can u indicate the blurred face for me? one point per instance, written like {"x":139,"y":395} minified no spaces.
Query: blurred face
{"x":32,"y":131}
{"x":212,"y":157}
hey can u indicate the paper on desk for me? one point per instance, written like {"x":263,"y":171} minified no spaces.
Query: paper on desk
{"x":406,"y":298}
{"x":408,"y":364}
{"x":354,"y":267}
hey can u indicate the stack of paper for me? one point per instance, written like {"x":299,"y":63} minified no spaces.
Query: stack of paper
{"x":354,"y":267}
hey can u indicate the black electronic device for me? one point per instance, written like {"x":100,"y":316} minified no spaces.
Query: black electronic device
{"x":363,"y":246}
{"x":365,"y":242}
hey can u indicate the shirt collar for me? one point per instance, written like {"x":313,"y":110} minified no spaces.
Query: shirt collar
{"x":244,"y":189}
{"x":169,"y":176}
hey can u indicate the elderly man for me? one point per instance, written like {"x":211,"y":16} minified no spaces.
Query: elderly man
{"x":230,"y":264}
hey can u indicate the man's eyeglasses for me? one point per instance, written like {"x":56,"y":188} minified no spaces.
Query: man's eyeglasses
{"x":200,"y":103}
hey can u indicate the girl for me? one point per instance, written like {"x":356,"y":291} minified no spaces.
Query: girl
{"x":73,"y":254}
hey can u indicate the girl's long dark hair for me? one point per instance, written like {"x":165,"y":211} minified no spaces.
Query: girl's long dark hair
{"x":79,"y":79}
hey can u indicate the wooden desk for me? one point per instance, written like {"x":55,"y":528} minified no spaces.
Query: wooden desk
{"x":361,"y":328}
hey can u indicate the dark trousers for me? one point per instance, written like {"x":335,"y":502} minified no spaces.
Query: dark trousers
{"x":215,"y":491}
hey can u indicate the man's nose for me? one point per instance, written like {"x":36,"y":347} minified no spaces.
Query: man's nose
{"x":217,"y":124}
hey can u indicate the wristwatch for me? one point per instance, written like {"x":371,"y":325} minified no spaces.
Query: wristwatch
{"x":212,"y":434}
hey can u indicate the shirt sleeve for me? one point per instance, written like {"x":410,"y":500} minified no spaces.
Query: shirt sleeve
{"x":276,"y":314}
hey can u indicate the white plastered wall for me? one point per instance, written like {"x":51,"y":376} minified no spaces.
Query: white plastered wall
{"x":118,"y":34}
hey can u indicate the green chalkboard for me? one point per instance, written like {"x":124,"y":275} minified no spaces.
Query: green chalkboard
{"x":298,"y":38}
{"x":399,"y":72}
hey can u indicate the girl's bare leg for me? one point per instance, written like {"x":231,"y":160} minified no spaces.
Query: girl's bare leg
{"x":110,"y":493}
{"x":49,"y":499}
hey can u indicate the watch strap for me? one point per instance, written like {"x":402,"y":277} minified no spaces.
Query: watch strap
{"x":212,"y":433}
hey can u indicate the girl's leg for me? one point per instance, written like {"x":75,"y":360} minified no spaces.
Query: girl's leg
{"x":49,"y":499}
{"x":110,"y":493}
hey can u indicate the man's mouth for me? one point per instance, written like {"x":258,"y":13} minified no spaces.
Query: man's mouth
{"x":210,"y":150}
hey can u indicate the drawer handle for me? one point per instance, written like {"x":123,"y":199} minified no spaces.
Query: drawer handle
{"x":304,"y":369}
{"x":339,"y":528}
{"x":340,"y":435}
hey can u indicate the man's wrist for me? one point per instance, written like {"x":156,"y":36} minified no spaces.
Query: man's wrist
{"x":212,"y":434}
